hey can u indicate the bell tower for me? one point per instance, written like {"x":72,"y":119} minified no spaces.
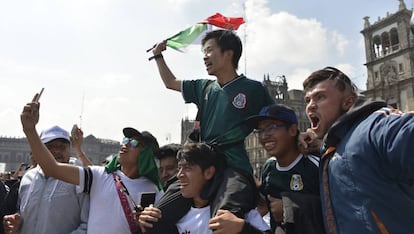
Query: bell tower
{"x":389,"y":50}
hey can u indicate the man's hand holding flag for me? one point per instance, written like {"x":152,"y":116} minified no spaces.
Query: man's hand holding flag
{"x":193,"y":34}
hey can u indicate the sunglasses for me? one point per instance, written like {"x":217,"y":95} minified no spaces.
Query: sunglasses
{"x":132,"y":142}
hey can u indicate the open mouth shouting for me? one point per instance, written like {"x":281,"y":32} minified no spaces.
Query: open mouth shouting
{"x":314,"y":121}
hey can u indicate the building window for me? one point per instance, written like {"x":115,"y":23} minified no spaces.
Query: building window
{"x":395,"y":42}
{"x":400,"y":68}
{"x":377,"y":46}
{"x":385,"y":43}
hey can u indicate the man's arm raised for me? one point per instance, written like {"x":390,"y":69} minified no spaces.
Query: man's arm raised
{"x":29,"y":118}
{"x":170,"y":81}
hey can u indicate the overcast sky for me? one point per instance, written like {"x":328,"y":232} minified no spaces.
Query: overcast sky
{"x":90,"y":57}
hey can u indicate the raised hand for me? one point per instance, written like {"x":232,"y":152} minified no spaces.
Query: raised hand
{"x":30,"y":114}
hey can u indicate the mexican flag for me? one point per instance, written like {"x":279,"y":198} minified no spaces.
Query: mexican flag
{"x":195,"y":33}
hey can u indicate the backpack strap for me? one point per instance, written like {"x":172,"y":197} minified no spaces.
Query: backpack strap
{"x":129,"y":215}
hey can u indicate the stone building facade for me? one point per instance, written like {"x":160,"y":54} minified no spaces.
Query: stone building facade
{"x":14,"y":151}
{"x":389,"y":50}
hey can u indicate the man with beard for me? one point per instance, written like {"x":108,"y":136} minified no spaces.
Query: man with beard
{"x":367,"y":169}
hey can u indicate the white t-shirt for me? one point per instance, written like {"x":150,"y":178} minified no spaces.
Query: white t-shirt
{"x":197,"y":219}
{"x":106,"y":214}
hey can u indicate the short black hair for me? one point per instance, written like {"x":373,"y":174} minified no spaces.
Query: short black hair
{"x":200,"y":154}
{"x":169,"y":150}
{"x":226,"y":40}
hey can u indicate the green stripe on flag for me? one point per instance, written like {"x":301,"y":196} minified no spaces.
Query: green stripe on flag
{"x":186,"y":37}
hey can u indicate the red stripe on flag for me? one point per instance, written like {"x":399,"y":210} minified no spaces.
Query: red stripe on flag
{"x":221,"y":21}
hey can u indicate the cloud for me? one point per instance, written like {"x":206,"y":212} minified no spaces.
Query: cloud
{"x":339,"y":41}
{"x":282,"y":43}
{"x":90,"y":57}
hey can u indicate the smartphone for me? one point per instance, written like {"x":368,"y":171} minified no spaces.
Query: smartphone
{"x":147,"y":199}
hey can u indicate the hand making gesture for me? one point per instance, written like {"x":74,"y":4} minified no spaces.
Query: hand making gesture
{"x":30,"y":115}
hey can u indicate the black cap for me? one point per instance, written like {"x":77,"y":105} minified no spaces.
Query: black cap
{"x":145,"y":137}
{"x":276,"y":111}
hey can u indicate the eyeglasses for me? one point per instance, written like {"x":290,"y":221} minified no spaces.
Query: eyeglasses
{"x":132,"y":142}
{"x":269,"y":130}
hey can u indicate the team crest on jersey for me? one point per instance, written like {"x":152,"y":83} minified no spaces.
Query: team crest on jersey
{"x":239,"y":101}
{"x":296,"y":182}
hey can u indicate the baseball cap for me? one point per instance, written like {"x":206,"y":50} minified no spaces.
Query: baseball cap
{"x":145,"y":137}
{"x":53,"y":133}
{"x":276,"y":111}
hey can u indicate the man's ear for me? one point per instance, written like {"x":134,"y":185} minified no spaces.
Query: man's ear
{"x":209,"y":172}
{"x":229,"y":54}
{"x":348,"y":102}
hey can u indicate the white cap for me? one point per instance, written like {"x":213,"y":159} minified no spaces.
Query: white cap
{"x":54,"y":133}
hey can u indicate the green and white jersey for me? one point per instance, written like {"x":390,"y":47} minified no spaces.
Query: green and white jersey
{"x":225,"y":107}
{"x":302,"y":175}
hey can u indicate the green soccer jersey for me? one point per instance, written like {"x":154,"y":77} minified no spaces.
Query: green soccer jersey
{"x":301,"y":176}
{"x":225,"y":107}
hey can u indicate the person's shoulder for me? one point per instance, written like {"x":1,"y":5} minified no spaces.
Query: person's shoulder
{"x":246,"y":79}
{"x":198,"y":84}
{"x":29,"y":174}
{"x":198,"y":81}
{"x":312,"y":158}
{"x":97,"y":170}
{"x":270,"y":163}
{"x":271,"y":160}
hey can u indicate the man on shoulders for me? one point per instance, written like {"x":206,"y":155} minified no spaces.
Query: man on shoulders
{"x":223,"y":105}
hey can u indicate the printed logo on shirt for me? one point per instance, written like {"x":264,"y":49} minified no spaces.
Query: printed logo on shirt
{"x":296,"y":183}
{"x":239,"y":101}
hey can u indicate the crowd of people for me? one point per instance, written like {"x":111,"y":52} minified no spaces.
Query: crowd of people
{"x":351,"y":172}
